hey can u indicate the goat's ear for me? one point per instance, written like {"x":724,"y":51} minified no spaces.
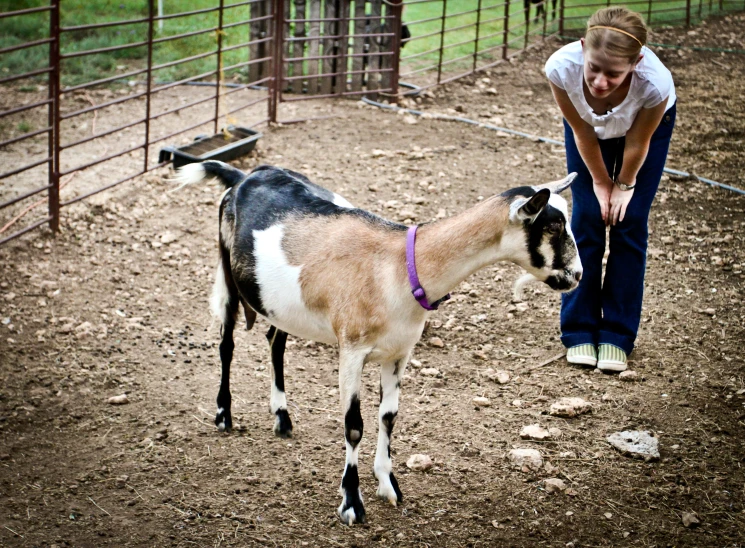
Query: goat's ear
{"x":527,"y":209}
{"x":558,"y":186}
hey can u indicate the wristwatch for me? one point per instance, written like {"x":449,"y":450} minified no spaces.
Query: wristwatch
{"x":624,"y":186}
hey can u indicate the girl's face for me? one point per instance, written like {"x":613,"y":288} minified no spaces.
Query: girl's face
{"x":605,"y":73}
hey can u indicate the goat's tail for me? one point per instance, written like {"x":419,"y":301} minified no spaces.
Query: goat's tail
{"x":190,"y":174}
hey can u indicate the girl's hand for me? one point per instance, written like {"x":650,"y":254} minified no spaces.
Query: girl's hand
{"x":603,"y":192}
{"x":619,"y":200}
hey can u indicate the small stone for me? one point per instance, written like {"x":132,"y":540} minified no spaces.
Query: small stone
{"x":168,"y":237}
{"x":10,"y":296}
{"x":556,"y":433}
{"x":690,"y":520}
{"x":517,"y":403}
{"x":608,"y":515}
{"x":534,"y":432}
{"x":570,"y":407}
{"x":416,"y":364}
{"x":528,"y":458}
{"x":636,"y":444}
{"x":429,"y":372}
{"x":554,"y":485}
{"x":628,"y":376}
{"x":480,"y":401}
{"x":502,"y":377}
{"x":436,"y":342}
{"x":118,"y":400}
{"x":419,"y":463}
{"x":121,"y":481}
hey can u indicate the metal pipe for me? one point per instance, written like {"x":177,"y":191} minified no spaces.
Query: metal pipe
{"x":54,"y":116}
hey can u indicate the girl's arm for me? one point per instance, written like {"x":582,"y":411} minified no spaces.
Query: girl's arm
{"x":634,"y":154}
{"x":637,"y":141}
{"x":589,"y":149}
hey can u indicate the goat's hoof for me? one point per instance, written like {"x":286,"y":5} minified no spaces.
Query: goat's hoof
{"x":351,"y":511}
{"x":388,"y":490}
{"x":283,"y":424}
{"x":224,"y":420}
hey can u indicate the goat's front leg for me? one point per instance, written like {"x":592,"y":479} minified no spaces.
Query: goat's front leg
{"x":350,"y":378}
{"x":390,"y":388}
{"x":278,"y":404}
{"x":224,"y":419}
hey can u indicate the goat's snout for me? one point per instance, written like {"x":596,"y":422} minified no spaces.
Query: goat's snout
{"x":578,"y":275}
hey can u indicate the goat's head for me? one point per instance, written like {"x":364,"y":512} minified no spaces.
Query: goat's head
{"x":544,"y":243}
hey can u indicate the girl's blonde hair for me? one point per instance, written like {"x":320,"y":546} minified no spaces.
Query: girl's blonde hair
{"x":618,"y":32}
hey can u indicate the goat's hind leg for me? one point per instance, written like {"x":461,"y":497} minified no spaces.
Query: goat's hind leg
{"x":282,"y":423}
{"x":225,"y":302}
{"x":390,"y":388}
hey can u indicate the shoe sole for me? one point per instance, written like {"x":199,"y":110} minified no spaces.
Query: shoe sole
{"x":583,"y":360}
{"x":611,"y":367}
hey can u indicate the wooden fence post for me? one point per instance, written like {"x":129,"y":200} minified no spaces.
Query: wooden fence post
{"x":314,"y":45}
{"x":373,"y":60}
{"x":330,"y":27}
{"x":54,"y":115}
{"x":358,"y":45}
{"x":298,"y":46}
{"x":506,"y":26}
{"x":343,"y":47}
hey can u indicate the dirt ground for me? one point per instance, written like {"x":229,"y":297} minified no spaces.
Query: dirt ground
{"x":117,"y":304}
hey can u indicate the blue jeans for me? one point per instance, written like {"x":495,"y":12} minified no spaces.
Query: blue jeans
{"x":608,"y":311}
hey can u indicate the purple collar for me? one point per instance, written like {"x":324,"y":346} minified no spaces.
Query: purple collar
{"x":416,"y":287}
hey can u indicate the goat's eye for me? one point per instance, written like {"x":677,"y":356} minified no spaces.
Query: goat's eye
{"x":554,"y":228}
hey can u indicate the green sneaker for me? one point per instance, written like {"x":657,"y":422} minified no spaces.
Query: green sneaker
{"x":611,"y":359}
{"x":583,"y":354}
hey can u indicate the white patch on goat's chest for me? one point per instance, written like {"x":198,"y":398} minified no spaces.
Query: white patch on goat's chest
{"x":280,"y":291}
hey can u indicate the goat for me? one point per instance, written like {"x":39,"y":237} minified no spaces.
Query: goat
{"x":317,"y":268}
{"x":540,"y":9}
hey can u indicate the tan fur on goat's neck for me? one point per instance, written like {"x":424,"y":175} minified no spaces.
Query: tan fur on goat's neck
{"x":449,"y":251}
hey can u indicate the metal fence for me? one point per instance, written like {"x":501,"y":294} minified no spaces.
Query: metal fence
{"x":66,"y":107}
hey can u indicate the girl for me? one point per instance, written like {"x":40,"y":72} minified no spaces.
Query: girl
{"x":618,"y":102}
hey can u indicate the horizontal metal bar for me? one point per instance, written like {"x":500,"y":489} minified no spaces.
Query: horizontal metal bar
{"x":24,"y":196}
{"x":349,"y":56}
{"x":344,"y":94}
{"x":102,"y":160}
{"x":27,"y":229}
{"x":25,"y":12}
{"x":16,"y":110}
{"x":185,"y":14}
{"x":104,"y":25}
{"x":102,"y":105}
{"x":329,"y":74}
{"x":420,"y":54}
{"x":184,"y":130}
{"x":183,"y":35}
{"x":107,"y":187}
{"x":181,"y":82}
{"x":248,"y":21}
{"x":26,"y":45}
{"x":184,"y":60}
{"x":333,"y":19}
{"x":249,"y":104}
{"x":249,"y":43}
{"x":105,"y":80}
{"x":25,"y":75}
{"x":104,"y":134}
{"x":102,"y":50}
{"x":25,"y":136}
{"x":24,"y":168}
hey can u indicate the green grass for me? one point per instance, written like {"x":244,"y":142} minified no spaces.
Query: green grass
{"x":78,"y":70}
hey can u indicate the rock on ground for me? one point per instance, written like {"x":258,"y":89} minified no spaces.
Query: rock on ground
{"x":639,"y":444}
{"x":534,"y":432}
{"x":570,"y":407}
{"x":419,"y":462}
{"x":554,"y":485}
{"x":529,"y":458}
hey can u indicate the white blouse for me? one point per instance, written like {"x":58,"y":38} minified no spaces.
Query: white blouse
{"x":651,"y":83}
